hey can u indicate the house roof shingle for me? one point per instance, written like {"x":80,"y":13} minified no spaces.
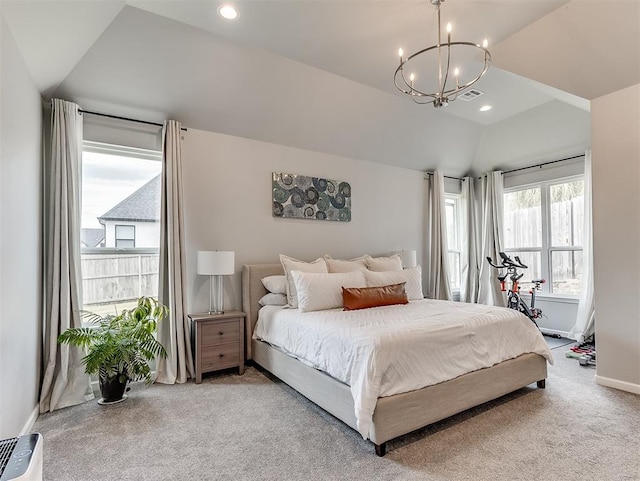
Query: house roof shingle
{"x":141,"y":206}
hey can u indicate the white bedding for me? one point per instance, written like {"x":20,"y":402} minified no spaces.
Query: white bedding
{"x":394,"y":349}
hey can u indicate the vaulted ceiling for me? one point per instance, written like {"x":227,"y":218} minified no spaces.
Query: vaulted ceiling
{"x":318,"y":74}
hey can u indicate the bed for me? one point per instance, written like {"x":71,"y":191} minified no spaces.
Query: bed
{"x":394,"y":415}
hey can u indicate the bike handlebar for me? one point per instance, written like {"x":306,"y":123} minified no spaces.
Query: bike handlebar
{"x":507,"y":262}
{"x":494,"y":265}
{"x":517,"y":258}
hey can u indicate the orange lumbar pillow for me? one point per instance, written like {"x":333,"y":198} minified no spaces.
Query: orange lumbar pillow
{"x":365,"y":297}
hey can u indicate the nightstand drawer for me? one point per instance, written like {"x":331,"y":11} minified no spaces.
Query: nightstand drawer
{"x":220,"y":333}
{"x":220,"y":356}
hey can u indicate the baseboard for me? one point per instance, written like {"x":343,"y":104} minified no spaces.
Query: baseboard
{"x":28,"y":426}
{"x":617,"y":384}
{"x":554,"y":331}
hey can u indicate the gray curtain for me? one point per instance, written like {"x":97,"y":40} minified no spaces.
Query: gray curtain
{"x":64,"y":382}
{"x":173,"y":332}
{"x":586,"y":318}
{"x":491,"y":198}
{"x":470,"y":270}
{"x":436,"y":270}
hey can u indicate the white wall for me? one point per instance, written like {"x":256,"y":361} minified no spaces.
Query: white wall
{"x":227,"y":183}
{"x":616,"y":236}
{"x":20,"y":239}
{"x":550,"y":131}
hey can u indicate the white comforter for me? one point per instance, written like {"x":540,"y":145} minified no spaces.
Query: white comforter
{"x":394,"y":349}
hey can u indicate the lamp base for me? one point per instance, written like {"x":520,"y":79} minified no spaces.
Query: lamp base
{"x":216,"y":295}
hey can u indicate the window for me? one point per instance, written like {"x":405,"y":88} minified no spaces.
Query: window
{"x":125,"y":236}
{"x":120,"y":226}
{"x":452,"y":214}
{"x":543,"y":225}
{"x":523,"y":229}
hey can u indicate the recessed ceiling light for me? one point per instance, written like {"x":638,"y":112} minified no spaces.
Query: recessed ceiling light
{"x":228,"y":11}
{"x":485,"y":108}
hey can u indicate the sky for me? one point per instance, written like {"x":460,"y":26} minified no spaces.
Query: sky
{"x":108,"y":179}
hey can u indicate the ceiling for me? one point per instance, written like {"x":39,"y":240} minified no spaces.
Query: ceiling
{"x":359,"y":40}
{"x":318,"y":74}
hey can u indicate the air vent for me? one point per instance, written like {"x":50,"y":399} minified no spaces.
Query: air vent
{"x":470,"y":95}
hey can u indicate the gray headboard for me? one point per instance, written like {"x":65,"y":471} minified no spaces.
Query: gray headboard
{"x":252,"y":291}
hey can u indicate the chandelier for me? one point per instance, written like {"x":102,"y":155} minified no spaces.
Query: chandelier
{"x":438,"y":57}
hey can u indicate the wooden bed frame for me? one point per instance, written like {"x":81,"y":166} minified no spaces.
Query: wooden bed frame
{"x":394,"y":415}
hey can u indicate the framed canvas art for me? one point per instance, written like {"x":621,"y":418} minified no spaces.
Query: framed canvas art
{"x":304,"y":197}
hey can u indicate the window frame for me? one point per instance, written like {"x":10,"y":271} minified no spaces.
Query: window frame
{"x":129,"y":251}
{"x":456,"y":199}
{"x":546,"y":249}
{"x":116,"y":238}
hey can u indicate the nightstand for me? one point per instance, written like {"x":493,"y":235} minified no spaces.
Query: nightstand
{"x":217,"y":341}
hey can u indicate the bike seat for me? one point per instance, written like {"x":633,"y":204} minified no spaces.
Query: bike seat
{"x":538,"y":281}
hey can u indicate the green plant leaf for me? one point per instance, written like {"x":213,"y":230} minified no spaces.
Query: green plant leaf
{"x":120,"y":345}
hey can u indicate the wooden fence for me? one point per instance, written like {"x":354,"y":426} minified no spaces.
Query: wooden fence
{"x":110,"y":276}
{"x":523,"y":227}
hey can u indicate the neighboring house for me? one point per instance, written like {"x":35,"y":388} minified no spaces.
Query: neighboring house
{"x":92,"y":238}
{"x":135,"y":221}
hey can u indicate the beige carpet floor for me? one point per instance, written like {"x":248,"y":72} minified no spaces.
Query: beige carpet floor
{"x":254,"y":427}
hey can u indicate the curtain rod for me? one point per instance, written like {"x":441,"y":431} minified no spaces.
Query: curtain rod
{"x":124,"y":118}
{"x":447,"y":177}
{"x":543,"y":164}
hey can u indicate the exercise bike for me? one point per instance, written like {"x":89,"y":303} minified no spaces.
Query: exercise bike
{"x":514,"y":300}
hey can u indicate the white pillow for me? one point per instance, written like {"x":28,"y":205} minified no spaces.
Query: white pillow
{"x":384,"y":264}
{"x":275,"y":284}
{"x":317,"y":292}
{"x":273,"y":299}
{"x":290,"y":264}
{"x":343,"y":265}
{"x":412,"y":276}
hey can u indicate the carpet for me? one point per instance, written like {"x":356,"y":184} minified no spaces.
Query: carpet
{"x":253,"y":427}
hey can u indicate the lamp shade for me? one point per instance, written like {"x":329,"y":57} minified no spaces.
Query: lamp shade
{"x":216,"y":263}
{"x":408,"y":258}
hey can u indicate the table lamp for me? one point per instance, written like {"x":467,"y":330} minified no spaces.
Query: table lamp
{"x":408,"y":258}
{"x":216,"y":264}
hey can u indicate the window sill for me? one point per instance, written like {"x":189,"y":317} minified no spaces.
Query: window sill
{"x":563,"y":299}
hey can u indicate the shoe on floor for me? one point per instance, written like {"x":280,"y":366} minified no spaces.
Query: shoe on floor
{"x":574,"y":355}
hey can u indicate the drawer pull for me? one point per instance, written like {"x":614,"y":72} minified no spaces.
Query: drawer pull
{"x":221,"y":333}
{"x":221,"y":355}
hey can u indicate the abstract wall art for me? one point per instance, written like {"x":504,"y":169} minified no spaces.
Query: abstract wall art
{"x":304,"y":197}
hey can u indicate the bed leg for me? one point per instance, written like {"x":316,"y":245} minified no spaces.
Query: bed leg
{"x":541,"y":384}
{"x":381,"y":449}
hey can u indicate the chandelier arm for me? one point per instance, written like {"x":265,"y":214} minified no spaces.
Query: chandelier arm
{"x":395,"y":80}
{"x":423,"y":102}
{"x":487,"y":62}
{"x":413,"y":92}
{"x":440,"y":84}
{"x":446,"y":76}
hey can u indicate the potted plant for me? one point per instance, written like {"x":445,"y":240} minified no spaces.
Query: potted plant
{"x":119,"y":347}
